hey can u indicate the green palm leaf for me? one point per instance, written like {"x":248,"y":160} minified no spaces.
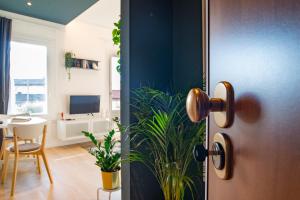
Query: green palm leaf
{"x":164,"y":131}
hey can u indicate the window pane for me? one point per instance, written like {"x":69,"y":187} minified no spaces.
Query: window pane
{"x":115,"y":75}
{"x":115,"y":84}
{"x":28,"y":78}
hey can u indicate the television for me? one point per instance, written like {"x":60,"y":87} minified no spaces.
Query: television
{"x":84,"y":104}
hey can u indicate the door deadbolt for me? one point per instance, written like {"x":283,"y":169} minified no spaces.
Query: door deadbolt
{"x":217,"y":154}
{"x":220,"y":155}
{"x":198,"y":104}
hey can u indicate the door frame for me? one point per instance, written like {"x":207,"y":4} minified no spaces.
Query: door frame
{"x":205,"y":64}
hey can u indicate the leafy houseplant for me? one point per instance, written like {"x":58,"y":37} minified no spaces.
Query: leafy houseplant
{"x":108,"y":159}
{"x":163,"y":139}
{"x":69,"y":61}
{"x":116,"y":35}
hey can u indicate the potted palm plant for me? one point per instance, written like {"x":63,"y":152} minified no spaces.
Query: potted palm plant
{"x":167,"y":138}
{"x":108,"y":158}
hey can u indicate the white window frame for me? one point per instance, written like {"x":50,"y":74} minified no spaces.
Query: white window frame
{"x":110,"y":84}
{"x":48,"y":45}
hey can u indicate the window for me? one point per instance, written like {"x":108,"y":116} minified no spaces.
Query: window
{"x":115,"y":84}
{"x":28,"y":75}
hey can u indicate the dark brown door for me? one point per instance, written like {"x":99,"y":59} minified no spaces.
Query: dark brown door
{"x":255,"y":45}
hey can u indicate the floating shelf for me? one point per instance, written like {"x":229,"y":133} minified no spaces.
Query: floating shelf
{"x":85,"y":64}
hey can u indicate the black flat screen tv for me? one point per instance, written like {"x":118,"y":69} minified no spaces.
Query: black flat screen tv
{"x":80,"y":104}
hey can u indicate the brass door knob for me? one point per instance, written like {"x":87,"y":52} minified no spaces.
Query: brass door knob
{"x":199,"y":105}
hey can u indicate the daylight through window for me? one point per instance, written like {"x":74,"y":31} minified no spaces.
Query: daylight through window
{"x":28,"y":78}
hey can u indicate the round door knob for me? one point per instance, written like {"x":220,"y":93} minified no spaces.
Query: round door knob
{"x":199,"y":105}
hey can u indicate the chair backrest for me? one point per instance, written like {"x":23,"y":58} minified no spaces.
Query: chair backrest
{"x":28,"y":131}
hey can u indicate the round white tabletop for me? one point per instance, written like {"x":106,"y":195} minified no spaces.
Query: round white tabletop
{"x":30,"y":121}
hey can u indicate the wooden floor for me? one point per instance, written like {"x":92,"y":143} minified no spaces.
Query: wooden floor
{"x":74,"y":174}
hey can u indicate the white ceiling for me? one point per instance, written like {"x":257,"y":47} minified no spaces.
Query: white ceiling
{"x":103,"y":13}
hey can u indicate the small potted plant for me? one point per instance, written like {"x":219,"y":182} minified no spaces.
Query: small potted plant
{"x":108,"y":158}
{"x":69,"y":61}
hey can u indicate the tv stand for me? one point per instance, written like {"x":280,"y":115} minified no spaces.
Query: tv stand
{"x":72,"y":129}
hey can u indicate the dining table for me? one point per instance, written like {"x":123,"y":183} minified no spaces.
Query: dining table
{"x":10,"y":122}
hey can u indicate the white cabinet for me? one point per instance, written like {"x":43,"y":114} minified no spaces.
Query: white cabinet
{"x":72,"y":129}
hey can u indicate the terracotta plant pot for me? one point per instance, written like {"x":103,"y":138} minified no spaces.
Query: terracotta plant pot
{"x":110,"y":180}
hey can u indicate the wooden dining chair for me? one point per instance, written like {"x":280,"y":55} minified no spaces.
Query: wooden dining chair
{"x":6,"y":138}
{"x":5,"y":141}
{"x":26,"y":132}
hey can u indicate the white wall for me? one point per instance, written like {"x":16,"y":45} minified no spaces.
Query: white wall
{"x":86,"y":41}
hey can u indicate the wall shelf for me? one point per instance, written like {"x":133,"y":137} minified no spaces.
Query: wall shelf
{"x":80,"y":63}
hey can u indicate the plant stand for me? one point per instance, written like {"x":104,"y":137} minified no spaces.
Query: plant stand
{"x":109,"y":192}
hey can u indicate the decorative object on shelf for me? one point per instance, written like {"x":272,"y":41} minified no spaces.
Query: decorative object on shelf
{"x":108,"y":158}
{"x":116,"y":35}
{"x":85,"y":64}
{"x":69,"y":62}
{"x":163,"y":139}
{"x":62,"y":116}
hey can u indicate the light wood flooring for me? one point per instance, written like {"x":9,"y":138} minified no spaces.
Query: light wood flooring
{"x":74,"y":174}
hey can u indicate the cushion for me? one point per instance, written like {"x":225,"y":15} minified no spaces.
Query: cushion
{"x":26,"y":147}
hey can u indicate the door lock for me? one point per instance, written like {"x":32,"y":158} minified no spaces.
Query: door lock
{"x":220,"y":154}
{"x":217,"y":154}
{"x":198,"y":104}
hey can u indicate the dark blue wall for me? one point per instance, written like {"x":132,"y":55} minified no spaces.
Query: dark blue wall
{"x":161,"y":48}
{"x":150,"y":43}
{"x":187,"y":44}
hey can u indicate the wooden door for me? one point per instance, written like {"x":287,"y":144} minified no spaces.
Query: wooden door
{"x":255,"y":45}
